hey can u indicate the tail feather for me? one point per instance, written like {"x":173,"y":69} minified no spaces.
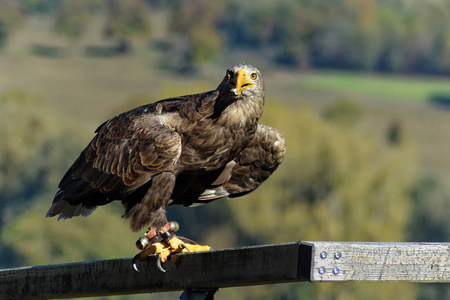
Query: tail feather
{"x":66,"y":211}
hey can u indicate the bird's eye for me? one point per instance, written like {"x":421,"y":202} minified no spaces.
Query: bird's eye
{"x":230,"y":74}
{"x":253,"y":76}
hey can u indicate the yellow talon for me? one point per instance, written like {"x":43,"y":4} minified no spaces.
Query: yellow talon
{"x":152,"y":249}
{"x":179,"y":246}
{"x":196,"y":248}
{"x":170,"y":244}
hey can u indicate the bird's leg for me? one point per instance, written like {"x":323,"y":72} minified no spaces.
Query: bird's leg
{"x":164,"y":242}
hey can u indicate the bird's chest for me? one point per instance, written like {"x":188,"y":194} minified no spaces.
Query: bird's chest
{"x":207,"y":148}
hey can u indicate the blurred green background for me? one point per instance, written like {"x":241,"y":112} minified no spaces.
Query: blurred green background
{"x":360,"y":88}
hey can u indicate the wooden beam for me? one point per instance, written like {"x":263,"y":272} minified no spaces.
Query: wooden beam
{"x":351,"y":261}
{"x":296,"y":261}
{"x":224,"y":268}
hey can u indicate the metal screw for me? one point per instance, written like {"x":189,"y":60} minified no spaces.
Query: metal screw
{"x":322,"y":270}
{"x":335,"y":271}
{"x":337,"y":255}
{"x":323,"y":255}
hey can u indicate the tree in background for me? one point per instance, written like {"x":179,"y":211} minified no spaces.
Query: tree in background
{"x":406,"y":36}
{"x":40,"y":6}
{"x":196,"y":23}
{"x":35,"y":152}
{"x":23,"y":129}
{"x":10,"y":18}
{"x":72,"y":19}
{"x":430,"y":223}
{"x":126,"y":20}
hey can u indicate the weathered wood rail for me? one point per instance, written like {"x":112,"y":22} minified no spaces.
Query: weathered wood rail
{"x":207,"y":271}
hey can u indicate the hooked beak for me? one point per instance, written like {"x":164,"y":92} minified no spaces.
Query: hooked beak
{"x":242,"y":81}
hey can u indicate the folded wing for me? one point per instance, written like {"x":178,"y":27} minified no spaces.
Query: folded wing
{"x":126,"y":153}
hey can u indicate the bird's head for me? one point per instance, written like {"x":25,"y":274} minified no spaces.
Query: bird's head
{"x":240,"y":100}
{"x":242,"y":80}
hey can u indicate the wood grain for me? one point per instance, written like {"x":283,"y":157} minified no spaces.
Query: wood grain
{"x":348,"y":261}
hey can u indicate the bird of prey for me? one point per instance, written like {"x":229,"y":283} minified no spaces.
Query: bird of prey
{"x":186,"y":150}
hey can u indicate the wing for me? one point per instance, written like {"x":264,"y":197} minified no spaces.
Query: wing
{"x":240,"y":176}
{"x":256,"y":162}
{"x":124,"y":155}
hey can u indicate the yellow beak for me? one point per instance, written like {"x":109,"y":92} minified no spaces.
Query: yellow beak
{"x":242,"y":81}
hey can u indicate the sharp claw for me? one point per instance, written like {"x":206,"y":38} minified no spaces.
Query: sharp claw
{"x":135,"y":260}
{"x":185,"y":247}
{"x":158,"y":263}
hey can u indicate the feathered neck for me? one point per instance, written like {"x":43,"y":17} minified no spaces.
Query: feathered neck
{"x":239,"y":111}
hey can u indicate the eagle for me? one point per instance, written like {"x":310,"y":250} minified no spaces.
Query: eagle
{"x":186,"y":150}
